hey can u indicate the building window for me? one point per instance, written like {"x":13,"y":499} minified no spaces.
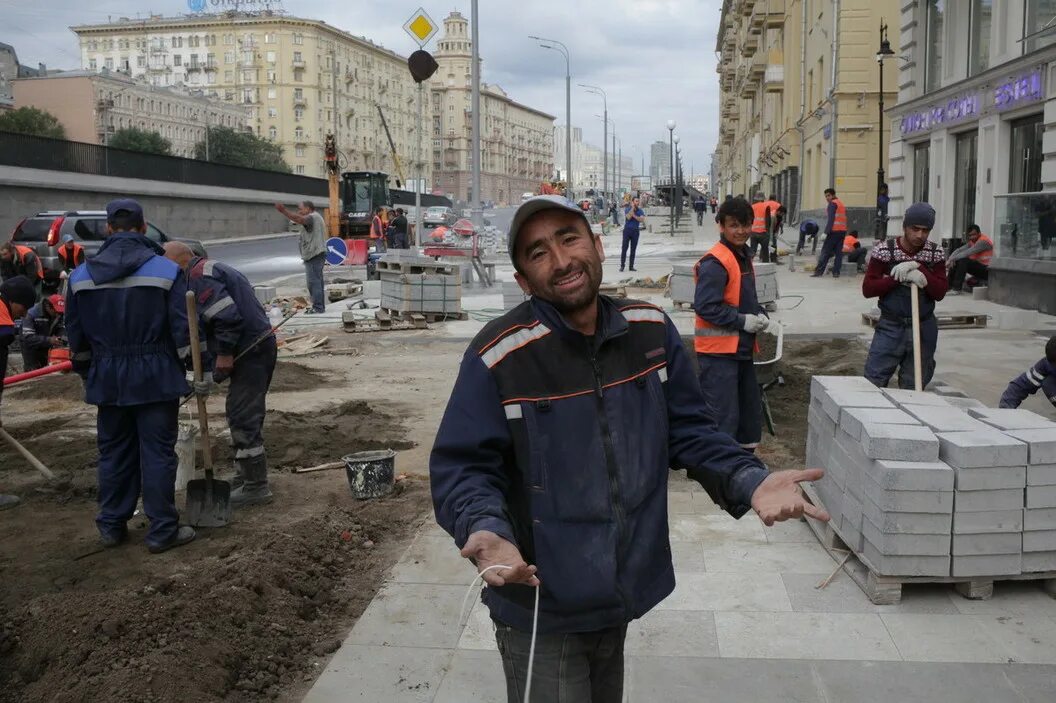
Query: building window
{"x":299,"y":133}
{"x":299,"y":170}
{"x":1040,"y":26}
{"x":273,"y":112}
{"x":229,"y":40}
{"x":979,"y":49}
{"x":297,"y":57}
{"x":271,"y":57}
{"x":933,"y":48}
{"x":298,"y":93}
{"x":298,"y":151}
{"x":272,"y":76}
{"x":92,"y":65}
{"x":271,"y":93}
{"x":141,"y":61}
{"x":273,"y":133}
{"x":109,"y":64}
{"x":1024,"y":170}
{"x":229,"y":57}
{"x":229,"y":76}
{"x":298,"y":114}
{"x":298,"y":38}
{"x":965,"y":169}
{"x":269,"y":38}
{"x":298,"y":76}
{"x":177,"y":60}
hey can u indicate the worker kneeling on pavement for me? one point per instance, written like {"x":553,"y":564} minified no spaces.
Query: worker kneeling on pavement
{"x":1041,"y":376}
{"x":895,"y":265}
{"x":16,"y":297}
{"x":728,"y":316}
{"x":43,"y":329}
{"x":126,"y":319}
{"x":236,"y":326}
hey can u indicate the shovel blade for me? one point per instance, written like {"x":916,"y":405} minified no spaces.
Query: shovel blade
{"x":208,"y":503}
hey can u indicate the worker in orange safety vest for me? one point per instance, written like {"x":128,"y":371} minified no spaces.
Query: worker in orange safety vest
{"x":972,"y":259}
{"x":835,"y":231}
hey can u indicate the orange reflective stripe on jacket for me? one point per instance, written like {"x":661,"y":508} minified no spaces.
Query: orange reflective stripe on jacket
{"x":984,"y":257}
{"x":708,"y":338}
{"x":848,"y":244}
{"x":5,"y":321}
{"x":839,"y":222}
{"x":759,"y":219}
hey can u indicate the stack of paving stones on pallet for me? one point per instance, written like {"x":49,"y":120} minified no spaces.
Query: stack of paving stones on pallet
{"x":926,"y":485}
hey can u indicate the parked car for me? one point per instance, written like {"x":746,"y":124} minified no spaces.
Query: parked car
{"x":436,"y":216}
{"x":44,"y":231}
{"x":527,"y":196}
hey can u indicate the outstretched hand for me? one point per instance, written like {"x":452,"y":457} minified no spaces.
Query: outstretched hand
{"x":780,"y":498}
{"x":486,"y":549}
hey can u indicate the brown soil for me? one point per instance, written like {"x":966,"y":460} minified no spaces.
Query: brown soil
{"x":291,"y":376}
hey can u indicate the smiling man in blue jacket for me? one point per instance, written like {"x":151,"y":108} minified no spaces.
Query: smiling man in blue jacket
{"x":553,"y":456}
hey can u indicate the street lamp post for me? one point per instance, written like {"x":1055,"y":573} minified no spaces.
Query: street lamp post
{"x":677,"y":181}
{"x":883,"y":53}
{"x":558,"y":46}
{"x":475,"y":207}
{"x":671,"y":143}
{"x":605,"y":139}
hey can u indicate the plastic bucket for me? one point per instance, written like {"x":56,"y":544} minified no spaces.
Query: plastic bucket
{"x":371,"y":474}
{"x":185,"y":441}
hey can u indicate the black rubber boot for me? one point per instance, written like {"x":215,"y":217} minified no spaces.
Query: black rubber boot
{"x":7,"y":502}
{"x":184,"y":535}
{"x":254,"y":490}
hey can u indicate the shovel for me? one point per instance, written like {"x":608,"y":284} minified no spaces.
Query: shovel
{"x":918,"y":380}
{"x":208,"y":499}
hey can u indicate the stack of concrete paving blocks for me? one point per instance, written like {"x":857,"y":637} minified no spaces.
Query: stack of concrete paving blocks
{"x":512,"y":295}
{"x":684,"y":288}
{"x":412,"y":284}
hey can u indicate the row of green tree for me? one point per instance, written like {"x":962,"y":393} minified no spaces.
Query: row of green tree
{"x":222,"y":146}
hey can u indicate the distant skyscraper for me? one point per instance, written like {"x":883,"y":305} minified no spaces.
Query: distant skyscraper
{"x":659,"y":160}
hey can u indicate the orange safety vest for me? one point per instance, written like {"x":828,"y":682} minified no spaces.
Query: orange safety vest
{"x":709,"y":338}
{"x":759,"y":221}
{"x":5,"y":321}
{"x":23,"y":252}
{"x":377,"y":228}
{"x":848,"y":244}
{"x":77,"y":256}
{"x":984,"y":257}
{"x":839,"y":222}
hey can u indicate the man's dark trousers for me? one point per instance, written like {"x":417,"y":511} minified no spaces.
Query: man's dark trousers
{"x":892,"y":349}
{"x":833,"y":247}
{"x":967,"y":267}
{"x":246,"y":404}
{"x":732,"y":393}
{"x":137,"y":451}
{"x":630,"y":239}
{"x":313,"y":270}
{"x":568,"y":668}
{"x":761,"y":242}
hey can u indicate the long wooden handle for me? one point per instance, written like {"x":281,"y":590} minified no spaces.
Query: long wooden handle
{"x":34,"y":461}
{"x":918,"y":381}
{"x":196,"y":360}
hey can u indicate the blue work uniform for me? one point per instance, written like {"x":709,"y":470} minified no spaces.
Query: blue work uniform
{"x":233,"y":319}
{"x":37,"y":331}
{"x":1041,"y":376}
{"x":126,"y":319}
{"x":631,"y":230}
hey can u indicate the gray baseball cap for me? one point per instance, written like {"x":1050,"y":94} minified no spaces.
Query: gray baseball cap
{"x":535,"y":205}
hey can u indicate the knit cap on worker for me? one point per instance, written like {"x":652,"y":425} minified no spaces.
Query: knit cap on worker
{"x":126,"y":207}
{"x":919,"y":215}
{"x":19,"y":290}
{"x":536,"y":205}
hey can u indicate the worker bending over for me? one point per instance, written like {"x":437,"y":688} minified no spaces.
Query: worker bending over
{"x":1041,"y":376}
{"x":16,"y":297}
{"x":43,"y":329}
{"x":18,"y":260}
{"x":126,"y":318}
{"x":235,"y":324}
{"x":728,"y":316}
{"x":895,"y":265}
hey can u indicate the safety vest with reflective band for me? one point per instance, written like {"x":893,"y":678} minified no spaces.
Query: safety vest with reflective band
{"x":759,"y":219}
{"x":7,"y":325}
{"x":848,"y":244}
{"x":23,"y":252}
{"x":72,"y":256}
{"x":839,"y":222}
{"x":377,"y":228}
{"x":984,"y":257}
{"x":709,"y":338}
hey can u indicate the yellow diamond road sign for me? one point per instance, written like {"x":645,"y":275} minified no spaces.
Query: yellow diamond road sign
{"x":421,"y":27}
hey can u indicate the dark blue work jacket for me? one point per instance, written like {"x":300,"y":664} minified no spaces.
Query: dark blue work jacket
{"x":232,"y":316}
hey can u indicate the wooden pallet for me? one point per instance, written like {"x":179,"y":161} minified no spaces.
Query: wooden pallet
{"x":955,"y":320}
{"x":887,"y":590}
{"x":428,"y":317}
{"x":418,"y":267}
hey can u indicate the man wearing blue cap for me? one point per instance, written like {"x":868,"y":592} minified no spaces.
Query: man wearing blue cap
{"x":126,"y":320}
{"x":897,"y":264}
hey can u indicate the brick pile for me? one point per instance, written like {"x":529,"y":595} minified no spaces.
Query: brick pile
{"x":922,"y":484}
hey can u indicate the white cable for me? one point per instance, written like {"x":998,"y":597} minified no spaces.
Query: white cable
{"x":535,"y":623}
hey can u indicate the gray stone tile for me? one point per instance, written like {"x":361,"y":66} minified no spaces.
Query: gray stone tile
{"x":473,"y":676}
{"x":804,"y":636}
{"x":411,"y":615}
{"x":433,"y":560}
{"x":380,"y":675}
{"x":943,"y":638}
{"x":667,"y":633}
{"x":843,"y":595}
{"x":688,"y":556}
{"x":787,"y":531}
{"x":716,"y":529}
{"x":727,"y":591}
{"x":1011,"y":597}
{"x":681,"y":502}
{"x":787,"y":558}
{"x":1029,"y":640}
{"x":1034,"y":684}
{"x":902,"y":682}
{"x":479,"y":632}
{"x":654,"y":679}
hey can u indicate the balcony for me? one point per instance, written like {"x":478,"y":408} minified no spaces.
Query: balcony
{"x":211,"y":66}
{"x":192,"y":67}
{"x":297,"y":63}
{"x":746,"y":7}
{"x":774,"y":75}
{"x":300,"y":101}
{"x":757,"y":67}
{"x":749,"y":45}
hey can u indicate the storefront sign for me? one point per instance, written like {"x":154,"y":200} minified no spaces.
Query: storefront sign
{"x":222,"y":5}
{"x":955,"y":110}
{"x":1019,"y":90}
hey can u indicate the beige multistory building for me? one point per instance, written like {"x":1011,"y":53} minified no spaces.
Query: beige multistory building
{"x":799,"y":108}
{"x":93,"y":106}
{"x":517,"y":142}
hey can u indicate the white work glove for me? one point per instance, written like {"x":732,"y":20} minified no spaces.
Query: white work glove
{"x":754,"y":324}
{"x":204,"y":388}
{"x":773,"y":327}
{"x":900,"y":270}
{"x":915,"y":278}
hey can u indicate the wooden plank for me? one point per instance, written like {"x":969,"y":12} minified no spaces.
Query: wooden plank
{"x":383,"y":317}
{"x":419,"y":322}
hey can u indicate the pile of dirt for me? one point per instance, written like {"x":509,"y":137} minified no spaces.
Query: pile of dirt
{"x":291,"y":376}
{"x":64,"y":386}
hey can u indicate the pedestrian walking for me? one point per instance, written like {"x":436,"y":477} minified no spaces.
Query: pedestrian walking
{"x":134,"y":372}
{"x":909,"y":260}
{"x":17,"y":296}
{"x":551,"y":463}
{"x":714,"y":205}
{"x":728,"y":318}
{"x":633,"y":217}
{"x":236,"y":327}
{"x":313,"y":251}
{"x":43,"y":329}
{"x":835,"y":232}
{"x":882,"y":203}
{"x":614,"y":212}
{"x":700,"y":205}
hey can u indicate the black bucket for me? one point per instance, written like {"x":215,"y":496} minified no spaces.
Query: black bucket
{"x":371,"y":474}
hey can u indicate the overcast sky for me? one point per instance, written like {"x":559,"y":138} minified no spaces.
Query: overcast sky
{"x":655,"y":59}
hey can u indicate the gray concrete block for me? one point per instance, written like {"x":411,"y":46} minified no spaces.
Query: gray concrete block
{"x":977,"y":501}
{"x":891,"y":565}
{"x":1041,"y":497}
{"x":820,"y":384}
{"x":836,"y":465}
{"x":946,"y":391}
{"x":1039,"y":519}
{"x":831,"y":500}
{"x":1011,"y":419}
{"x":906,"y":523}
{"x":819,"y":443}
{"x":909,"y":501}
{"x":1040,"y":541}
{"x":904,"y":545}
{"x":1041,"y":475}
{"x":988,"y":565}
{"x":991,"y":479}
{"x":911,"y":476}
{"x":965,"y":403}
{"x":967,"y":450}
{"x":1041,"y":444}
{"x":982,"y":544}
{"x":851,"y":522}
{"x":945,"y":419}
{"x":987,"y":522}
{"x":853,"y":419}
{"x":832,"y":402}
{"x":903,"y":397}
{"x":849,"y":451}
{"x":1033,"y":562}
{"x":899,"y":443}
{"x":264,"y":294}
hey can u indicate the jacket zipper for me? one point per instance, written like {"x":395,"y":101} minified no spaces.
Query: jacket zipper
{"x":614,"y":485}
